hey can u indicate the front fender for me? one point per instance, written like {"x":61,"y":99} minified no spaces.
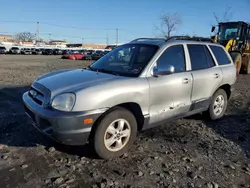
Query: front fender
{"x":108,"y":95}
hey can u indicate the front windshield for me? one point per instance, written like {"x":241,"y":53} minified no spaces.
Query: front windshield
{"x":126,"y":60}
{"x":229,"y":31}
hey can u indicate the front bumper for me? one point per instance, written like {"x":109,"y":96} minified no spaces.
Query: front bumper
{"x":65,"y":127}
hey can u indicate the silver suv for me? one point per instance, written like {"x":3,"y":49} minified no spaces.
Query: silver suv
{"x":134,"y":87}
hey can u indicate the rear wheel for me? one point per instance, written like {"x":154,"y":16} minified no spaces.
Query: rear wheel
{"x":246,"y":65}
{"x":115,"y":133}
{"x":237,"y":59}
{"x":218,"y":105}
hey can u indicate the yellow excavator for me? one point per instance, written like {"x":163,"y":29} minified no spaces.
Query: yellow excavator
{"x":235,"y":37}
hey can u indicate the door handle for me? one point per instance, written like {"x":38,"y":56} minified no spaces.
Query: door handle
{"x":185,"y":80}
{"x":216,"y":75}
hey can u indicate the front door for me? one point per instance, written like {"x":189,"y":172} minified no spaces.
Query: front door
{"x":170,"y":95}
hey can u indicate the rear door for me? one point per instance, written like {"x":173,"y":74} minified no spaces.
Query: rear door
{"x":207,"y":76}
{"x":226,"y":65}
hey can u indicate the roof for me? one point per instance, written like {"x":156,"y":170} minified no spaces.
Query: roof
{"x":57,"y":41}
{"x":150,"y":41}
{"x":3,"y":35}
{"x":235,"y":22}
{"x":174,"y":39}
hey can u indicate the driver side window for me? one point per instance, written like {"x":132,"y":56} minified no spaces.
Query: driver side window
{"x":175,"y":56}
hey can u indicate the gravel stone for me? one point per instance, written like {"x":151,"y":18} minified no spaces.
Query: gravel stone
{"x":58,"y":180}
{"x":24,"y":166}
{"x":51,"y":149}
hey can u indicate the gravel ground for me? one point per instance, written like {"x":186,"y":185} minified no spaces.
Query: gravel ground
{"x":190,"y":152}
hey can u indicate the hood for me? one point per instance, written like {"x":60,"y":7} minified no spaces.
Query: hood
{"x":66,"y":80}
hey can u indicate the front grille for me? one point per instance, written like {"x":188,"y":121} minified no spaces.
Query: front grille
{"x":36,"y":95}
{"x":40,"y":94}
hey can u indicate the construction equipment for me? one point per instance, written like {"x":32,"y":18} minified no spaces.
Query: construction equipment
{"x":235,"y":37}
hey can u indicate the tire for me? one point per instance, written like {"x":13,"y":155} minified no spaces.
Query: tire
{"x":210,"y":113}
{"x":246,"y":65}
{"x":237,"y":59}
{"x":102,"y":132}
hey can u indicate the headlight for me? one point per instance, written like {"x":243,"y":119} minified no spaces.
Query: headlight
{"x":64,"y":102}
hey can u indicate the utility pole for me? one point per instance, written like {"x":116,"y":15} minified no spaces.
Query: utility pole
{"x":116,"y":37}
{"x":107,"y":41}
{"x":38,"y":32}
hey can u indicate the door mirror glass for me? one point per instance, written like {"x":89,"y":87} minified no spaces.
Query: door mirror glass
{"x":163,"y":70}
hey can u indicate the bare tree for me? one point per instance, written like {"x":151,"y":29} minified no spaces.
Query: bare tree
{"x":227,"y":15}
{"x":169,"y":23}
{"x":24,"y":37}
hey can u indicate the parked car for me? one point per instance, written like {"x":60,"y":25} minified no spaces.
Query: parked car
{"x":87,"y":56}
{"x":134,"y":87}
{"x":64,"y":52}
{"x":47,"y":52}
{"x":3,"y":50}
{"x":37,"y":52}
{"x":26,"y":51}
{"x":15,"y":50}
{"x":57,"y":52}
{"x":105,"y":52}
{"x":76,"y":56}
{"x":97,"y":55}
{"x":33,"y":50}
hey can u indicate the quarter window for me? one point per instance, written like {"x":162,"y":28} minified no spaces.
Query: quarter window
{"x":220,"y":55}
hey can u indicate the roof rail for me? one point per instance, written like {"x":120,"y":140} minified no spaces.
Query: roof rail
{"x":201,"y":39}
{"x":138,"y":39}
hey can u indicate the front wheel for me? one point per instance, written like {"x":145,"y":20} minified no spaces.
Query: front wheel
{"x":115,"y":133}
{"x":218,"y":105}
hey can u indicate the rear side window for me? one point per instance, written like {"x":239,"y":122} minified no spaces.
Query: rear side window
{"x":220,"y":55}
{"x":200,"y":57}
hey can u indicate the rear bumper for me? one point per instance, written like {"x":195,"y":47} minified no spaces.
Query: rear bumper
{"x":64,"y":127}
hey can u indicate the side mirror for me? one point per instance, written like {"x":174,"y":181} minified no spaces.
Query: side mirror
{"x":212,"y":29}
{"x":166,"y":70}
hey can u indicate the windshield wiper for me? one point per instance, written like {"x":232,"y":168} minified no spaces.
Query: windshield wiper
{"x":90,"y":68}
{"x":103,"y":70}
{"x":107,"y":71}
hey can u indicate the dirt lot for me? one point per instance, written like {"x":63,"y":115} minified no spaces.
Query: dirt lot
{"x":190,"y":152}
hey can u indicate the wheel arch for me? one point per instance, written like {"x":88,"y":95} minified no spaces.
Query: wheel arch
{"x":226,"y":88}
{"x":133,"y":107}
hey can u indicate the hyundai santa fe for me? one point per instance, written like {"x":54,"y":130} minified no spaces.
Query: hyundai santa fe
{"x":134,"y":87}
